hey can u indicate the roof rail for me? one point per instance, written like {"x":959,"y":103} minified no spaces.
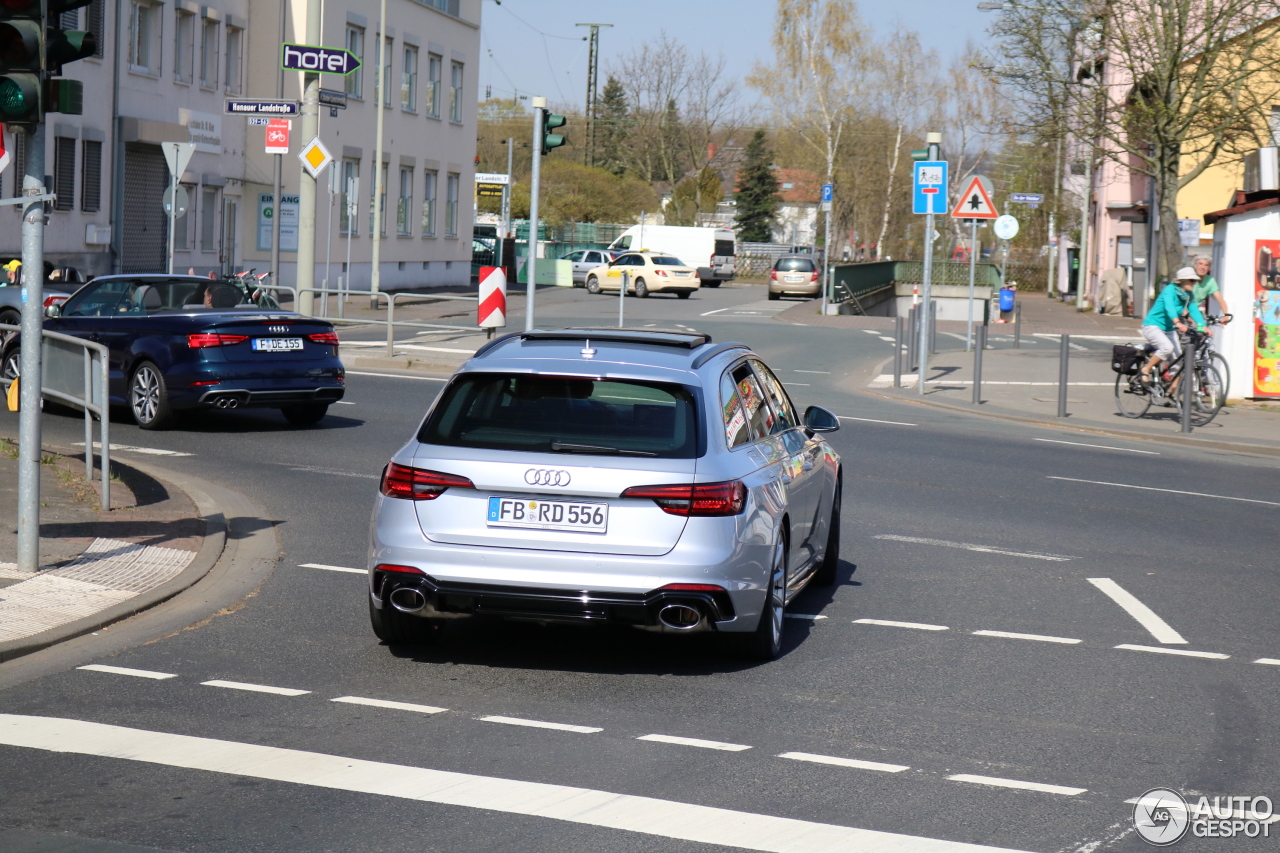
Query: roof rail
{"x":683,"y":340}
{"x":493,"y":343}
{"x":715,"y":351}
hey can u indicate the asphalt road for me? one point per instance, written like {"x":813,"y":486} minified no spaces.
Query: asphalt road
{"x":952,"y":525}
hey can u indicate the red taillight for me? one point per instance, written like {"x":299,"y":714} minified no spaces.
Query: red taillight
{"x":692,"y":587}
{"x":418,"y":484}
{"x":662,"y":273}
{"x":391,"y":567}
{"x":814,"y":276}
{"x":204,"y":382}
{"x":54,"y":300}
{"x":773,"y":275}
{"x":200,"y":340}
{"x":326,"y":338}
{"x":695,"y":499}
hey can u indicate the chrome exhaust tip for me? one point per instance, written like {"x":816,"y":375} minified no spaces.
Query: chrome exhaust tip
{"x":680,"y":617}
{"x":406,"y":599}
{"x":232,"y":402}
{"x":221,"y":402}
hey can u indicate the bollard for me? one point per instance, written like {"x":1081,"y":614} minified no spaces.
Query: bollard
{"x":911,"y":338}
{"x":933,"y":326}
{"x":1064,"y":358}
{"x":980,"y":343}
{"x":1188,"y":381}
{"x":1017,"y":324}
{"x":898,"y":334}
{"x":622,"y":297}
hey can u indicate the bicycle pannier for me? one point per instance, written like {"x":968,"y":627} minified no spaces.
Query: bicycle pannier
{"x":1127,"y":360}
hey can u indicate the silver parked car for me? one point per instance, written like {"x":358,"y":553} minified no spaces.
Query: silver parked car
{"x":639,"y":477}
{"x":586,"y":260}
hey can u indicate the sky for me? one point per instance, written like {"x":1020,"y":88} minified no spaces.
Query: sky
{"x":533,"y":45}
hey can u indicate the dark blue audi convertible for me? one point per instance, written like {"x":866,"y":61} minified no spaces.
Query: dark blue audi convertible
{"x":184,"y":342}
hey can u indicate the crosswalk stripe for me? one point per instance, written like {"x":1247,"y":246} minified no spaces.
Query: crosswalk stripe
{"x":646,"y":815}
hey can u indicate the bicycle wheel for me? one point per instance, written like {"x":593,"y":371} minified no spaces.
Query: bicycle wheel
{"x":1207,"y":396}
{"x":1132,"y":398}
{"x":1218,"y":363}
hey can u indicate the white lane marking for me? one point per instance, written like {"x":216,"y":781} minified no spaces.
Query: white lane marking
{"x":890,"y":340}
{"x":406,"y":345}
{"x":124,"y":670}
{"x":823,"y":372}
{"x":1099,"y":446}
{"x":648,"y":815}
{"x":1057,"y":558}
{"x":810,"y":616}
{"x":873,"y":420}
{"x":255,"y":688}
{"x":845,"y":762}
{"x":398,"y":376}
{"x":395,"y":706}
{"x":801,"y":384}
{"x":1145,"y":616}
{"x":1169,"y":491}
{"x":539,"y":724}
{"x":316,"y":469}
{"x":918,"y":625}
{"x":871,"y":331}
{"x":128,"y":448}
{"x":332,"y":568}
{"x":885,"y":380}
{"x":1166,"y":651}
{"x":1208,"y":812}
{"x":717,"y":311}
{"x":345,"y":403}
{"x":693,"y":741}
{"x":1270,"y":661}
{"x":1091,"y":337}
{"x":1044,"y":638}
{"x":1015,"y":783}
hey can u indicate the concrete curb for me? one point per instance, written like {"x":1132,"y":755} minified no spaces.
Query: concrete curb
{"x":211,"y":549}
{"x":407,"y":363}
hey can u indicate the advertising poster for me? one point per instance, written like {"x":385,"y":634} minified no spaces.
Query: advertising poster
{"x":1266,"y":320}
{"x":288,"y":222}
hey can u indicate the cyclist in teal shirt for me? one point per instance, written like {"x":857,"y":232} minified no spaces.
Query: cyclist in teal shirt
{"x":1170,"y":312}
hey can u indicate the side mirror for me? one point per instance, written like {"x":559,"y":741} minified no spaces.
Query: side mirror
{"x":54,"y":310}
{"x":818,"y":419}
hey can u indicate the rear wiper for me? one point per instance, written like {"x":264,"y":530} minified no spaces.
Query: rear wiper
{"x":560,"y":446}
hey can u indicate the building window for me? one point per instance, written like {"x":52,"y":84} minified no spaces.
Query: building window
{"x":96,"y":23}
{"x":69,"y":20}
{"x":235,"y":56}
{"x":434,"y":64}
{"x":184,"y":47}
{"x":405,"y":202}
{"x":144,"y":38}
{"x":409,"y":80}
{"x":91,"y":176}
{"x":209,"y":219}
{"x":182,"y":224}
{"x":382,"y":204}
{"x":209,"y":54}
{"x":455,"y":93}
{"x":1275,"y":126}
{"x":64,"y":173}
{"x":429,"y":204}
{"x":451,"y":207}
{"x":382,"y":85}
{"x":355,"y":44}
{"x":350,"y":185}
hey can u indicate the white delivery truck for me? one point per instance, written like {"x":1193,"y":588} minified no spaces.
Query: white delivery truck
{"x":711,"y":250}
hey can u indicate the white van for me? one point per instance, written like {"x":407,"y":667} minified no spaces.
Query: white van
{"x":711,"y":250}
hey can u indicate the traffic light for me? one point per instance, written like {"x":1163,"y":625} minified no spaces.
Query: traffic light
{"x":63,"y":46}
{"x":920,"y":154}
{"x":21,"y":62}
{"x":550,"y":121}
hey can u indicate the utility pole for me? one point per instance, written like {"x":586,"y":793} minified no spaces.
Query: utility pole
{"x":1053,"y":213}
{"x":539,"y":104}
{"x":278,"y":167}
{"x":31,"y":376}
{"x":506,"y":195}
{"x":593,"y":68}
{"x":380,"y":85}
{"x":306,"y":279}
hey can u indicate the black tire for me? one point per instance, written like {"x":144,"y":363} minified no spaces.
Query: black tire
{"x":683,"y":294}
{"x":12,"y":318}
{"x":1218,"y":363}
{"x":1207,"y":397}
{"x":306,"y":414}
{"x":593,"y":284}
{"x":774,"y":297}
{"x":642,"y":289}
{"x":1132,"y":398}
{"x":710,"y":282}
{"x":11,"y":367}
{"x":764,"y":644}
{"x":398,"y":629}
{"x":149,"y":397}
{"x":826,"y":573}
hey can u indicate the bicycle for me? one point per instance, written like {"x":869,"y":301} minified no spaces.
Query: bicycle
{"x":1136,"y":394}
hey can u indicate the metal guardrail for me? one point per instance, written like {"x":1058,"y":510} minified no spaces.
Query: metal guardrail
{"x":60,"y":364}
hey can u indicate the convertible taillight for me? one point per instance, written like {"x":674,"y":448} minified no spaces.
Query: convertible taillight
{"x":200,"y":340}
{"x":418,"y":484}
{"x":695,"y":499}
{"x":326,"y":338}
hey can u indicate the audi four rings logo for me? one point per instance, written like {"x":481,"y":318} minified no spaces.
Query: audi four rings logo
{"x":546,"y":477}
{"x":280,"y":329}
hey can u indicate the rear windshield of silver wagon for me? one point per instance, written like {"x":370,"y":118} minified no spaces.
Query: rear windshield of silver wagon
{"x":571,"y":415}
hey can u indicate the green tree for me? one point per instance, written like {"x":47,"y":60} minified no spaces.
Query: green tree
{"x":572,"y":192}
{"x":757,"y":194}
{"x":694,"y":195}
{"x":613,"y":125}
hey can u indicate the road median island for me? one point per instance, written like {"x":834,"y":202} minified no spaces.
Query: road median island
{"x":158,"y":539}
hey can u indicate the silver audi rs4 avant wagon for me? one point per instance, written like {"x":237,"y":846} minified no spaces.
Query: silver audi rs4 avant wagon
{"x":636,"y":477}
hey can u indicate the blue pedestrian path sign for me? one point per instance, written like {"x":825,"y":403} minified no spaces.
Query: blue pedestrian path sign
{"x":929,"y":187}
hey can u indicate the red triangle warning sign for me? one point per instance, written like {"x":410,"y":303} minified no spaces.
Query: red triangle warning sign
{"x":974,"y":203}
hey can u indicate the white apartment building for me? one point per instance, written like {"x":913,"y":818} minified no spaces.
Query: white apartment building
{"x":428,"y":91}
{"x":160,"y":74}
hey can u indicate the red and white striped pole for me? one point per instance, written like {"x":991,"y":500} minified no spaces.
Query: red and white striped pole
{"x":493,"y":298}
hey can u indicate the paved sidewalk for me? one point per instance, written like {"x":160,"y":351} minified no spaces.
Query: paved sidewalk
{"x":95,"y":567}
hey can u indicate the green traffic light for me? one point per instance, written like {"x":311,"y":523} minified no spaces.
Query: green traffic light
{"x":553,"y":121}
{"x":920,"y":154}
{"x":17,"y":97}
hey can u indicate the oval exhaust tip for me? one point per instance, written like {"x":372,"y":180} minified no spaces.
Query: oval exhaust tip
{"x":680,"y":617}
{"x":408,"y":600}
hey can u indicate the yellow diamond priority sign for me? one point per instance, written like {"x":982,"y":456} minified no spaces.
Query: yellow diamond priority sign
{"x":314,"y":157}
